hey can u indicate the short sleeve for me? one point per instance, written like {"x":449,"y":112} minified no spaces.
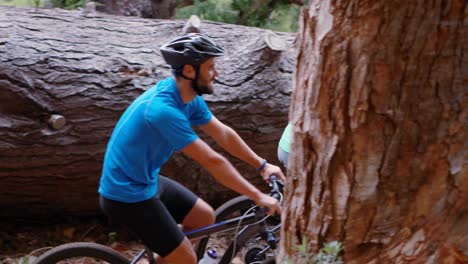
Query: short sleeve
{"x":173,"y":126}
{"x":201,"y":114}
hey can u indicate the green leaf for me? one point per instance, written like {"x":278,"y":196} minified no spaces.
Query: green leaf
{"x":275,"y":15}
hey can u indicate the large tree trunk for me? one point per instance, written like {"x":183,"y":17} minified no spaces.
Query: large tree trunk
{"x":379,"y":113}
{"x":88,"y":70}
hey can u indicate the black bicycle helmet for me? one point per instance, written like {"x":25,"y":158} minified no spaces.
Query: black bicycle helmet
{"x":192,"y":49}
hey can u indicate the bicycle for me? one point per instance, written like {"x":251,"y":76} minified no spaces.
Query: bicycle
{"x":253,"y":236}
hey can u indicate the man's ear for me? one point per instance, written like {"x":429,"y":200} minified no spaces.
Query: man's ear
{"x":188,"y":71}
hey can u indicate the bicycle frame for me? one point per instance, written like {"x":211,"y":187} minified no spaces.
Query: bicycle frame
{"x":222,"y":226}
{"x":257,"y":218}
{"x":251,"y":227}
{"x":211,"y":229}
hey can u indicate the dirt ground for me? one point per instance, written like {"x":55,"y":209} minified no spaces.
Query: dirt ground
{"x":21,"y":242}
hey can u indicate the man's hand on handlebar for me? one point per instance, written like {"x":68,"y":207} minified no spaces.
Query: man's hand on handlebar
{"x":269,"y":202}
{"x":271,"y":169}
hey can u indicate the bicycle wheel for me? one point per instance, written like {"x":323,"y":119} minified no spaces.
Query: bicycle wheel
{"x":220,"y":241}
{"x":249,"y":248}
{"x":232,"y":208}
{"x":81,"y":252}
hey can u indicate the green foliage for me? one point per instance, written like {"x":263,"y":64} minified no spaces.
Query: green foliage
{"x":209,"y":10}
{"x":69,"y":4}
{"x":302,"y":250}
{"x":328,"y":254}
{"x":275,"y":15}
{"x":22,"y":3}
{"x":22,"y":260}
{"x":284,"y":18}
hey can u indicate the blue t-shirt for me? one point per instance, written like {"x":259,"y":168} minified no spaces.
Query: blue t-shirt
{"x":153,"y":126}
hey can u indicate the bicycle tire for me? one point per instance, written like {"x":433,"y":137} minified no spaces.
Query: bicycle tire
{"x":243,"y":237}
{"x":240,"y":203}
{"x":81,"y":249}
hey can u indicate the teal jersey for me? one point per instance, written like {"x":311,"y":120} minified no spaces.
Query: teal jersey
{"x":285,"y":141}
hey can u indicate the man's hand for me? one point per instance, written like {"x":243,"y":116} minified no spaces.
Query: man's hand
{"x":271,"y":203}
{"x":271,"y":169}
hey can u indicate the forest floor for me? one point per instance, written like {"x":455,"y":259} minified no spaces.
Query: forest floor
{"x":21,"y":242}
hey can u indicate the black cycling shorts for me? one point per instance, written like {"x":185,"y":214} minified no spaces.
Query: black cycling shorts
{"x":155,"y":220}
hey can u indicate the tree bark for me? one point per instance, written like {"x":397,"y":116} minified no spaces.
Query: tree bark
{"x":88,"y":70}
{"x":379,"y":113}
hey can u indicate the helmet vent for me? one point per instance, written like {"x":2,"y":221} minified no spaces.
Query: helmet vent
{"x":192,"y":49}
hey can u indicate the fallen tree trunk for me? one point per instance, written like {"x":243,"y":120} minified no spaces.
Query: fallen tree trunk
{"x":86,"y":71}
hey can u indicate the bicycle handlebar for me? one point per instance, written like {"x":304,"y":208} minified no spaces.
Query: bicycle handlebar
{"x":276,"y":186}
{"x":276,"y":191}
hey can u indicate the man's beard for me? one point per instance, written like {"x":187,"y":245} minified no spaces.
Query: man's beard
{"x":201,"y":89}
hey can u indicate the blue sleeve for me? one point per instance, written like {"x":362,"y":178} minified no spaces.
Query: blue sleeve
{"x":174,"y":127}
{"x":201,"y":114}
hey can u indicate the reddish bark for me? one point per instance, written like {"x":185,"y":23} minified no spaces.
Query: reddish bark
{"x":379,"y":113}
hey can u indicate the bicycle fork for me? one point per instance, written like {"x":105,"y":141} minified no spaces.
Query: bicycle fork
{"x":267,"y":234}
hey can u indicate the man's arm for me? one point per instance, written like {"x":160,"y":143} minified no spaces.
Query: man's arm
{"x":229,"y":140}
{"x":223,"y":171}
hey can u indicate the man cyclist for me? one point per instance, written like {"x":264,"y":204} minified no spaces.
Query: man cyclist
{"x":158,"y":122}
